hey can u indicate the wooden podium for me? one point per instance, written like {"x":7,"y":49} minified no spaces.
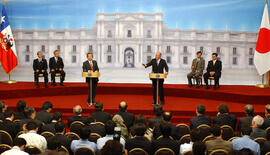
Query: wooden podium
{"x":90,"y":75}
{"x":157,"y":76}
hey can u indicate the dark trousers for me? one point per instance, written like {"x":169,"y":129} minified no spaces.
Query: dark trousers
{"x":62,"y":77}
{"x":36,"y":77}
{"x":94,"y":88}
{"x":160,"y":90}
{"x":207,"y":75}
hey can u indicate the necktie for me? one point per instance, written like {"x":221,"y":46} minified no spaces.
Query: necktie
{"x":214,"y":62}
{"x":91,"y":66}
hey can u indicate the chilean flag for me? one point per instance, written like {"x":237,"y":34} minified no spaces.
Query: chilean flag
{"x":262,"y":54}
{"x":8,"y":56}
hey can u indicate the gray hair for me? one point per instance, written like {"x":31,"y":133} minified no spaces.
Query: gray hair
{"x":249,"y":109}
{"x":258,"y":120}
{"x":77,"y":110}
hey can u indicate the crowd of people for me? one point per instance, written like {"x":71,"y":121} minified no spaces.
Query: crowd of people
{"x":122,"y":132}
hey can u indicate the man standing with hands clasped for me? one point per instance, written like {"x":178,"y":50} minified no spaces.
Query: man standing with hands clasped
{"x":158,"y":66}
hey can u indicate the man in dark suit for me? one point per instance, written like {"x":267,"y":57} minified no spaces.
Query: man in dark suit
{"x":139,"y":141}
{"x":245,"y":122}
{"x":44,"y":115}
{"x":40,"y":66}
{"x":57,"y":117}
{"x":3,"y":108}
{"x":201,"y":118}
{"x":8,"y":125}
{"x":20,"y":110}
{"x":158,"y":119}
{"x":77,"y":110}
{"x":128,"y":117}
{"x":266,"y":122}
{"x":158,"y":66}
{"x":56,"y":66}
{"x":60,"y":134}
{"x":100,"y":115}
{"x":224,"y":118}
{"x":95,"y":127}
{"x":30,"y":114}
{"x":213,"y":69}
{"x":90,"y":65}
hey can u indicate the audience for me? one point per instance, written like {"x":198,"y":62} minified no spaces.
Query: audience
{"x":100,"y":115}
{"x":3,"y":108}
{"x":223,"y":117}
{"x":165,"y":141}
{"x":56,"y":117}
{"x":8,"y":125}
{"x":30,"y":114}
{"x":156,"y":120}
{"x":95,"y":127}
{"x":118,"y":120}
{"x":53,"y":146}
{"x":142,"y":119}
{"x":195,"y":137}
{"x":246,"y":121}
{"x":257,"y":131}
{"x":44,"y":115}
{"x":18,"y":148}
{"x":60,"y":134}
{"x":128,"y":117}
{"x":266,"y":123}
{"x":32,"y":138}
{"x":265,"y":148}
{"x":112,"y":147}
{"x":83,"y":141}
{"x":199,"y":148}
{"x":21,"y":105}
{"x":109,"y":127}
{"x":139,"y":141}
{"x":218,"y":142}
{"x":245,"y":141}
{"x":77,"y":110}
{"x":201,"y":118}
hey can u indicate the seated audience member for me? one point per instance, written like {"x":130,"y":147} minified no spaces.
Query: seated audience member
{"x":158,"y":118}
{"x":246,"y":142}
{"x":139,"y":141}
{"x":53,"y":146}
{"x":218,"y":142}
{"x":77,"y":110}
{"x":100,"y":115}
{"x":246,"y":121}
{"x":18,"y":148}
{"x":265,"y":148}
{"x":201,"y":118}
{"x":95,"y":127}
{"x":32,"y":138}
{"x":21,"y":105}
{"x":198,"y":148}
{"x":44,"y":115}
{"x":257,"y":131}
{"x":165,"y":141}
{"x":266,"y":122}
{"x":223,"y":117}
{"x":60,"y":134}
{"x":3,"y":108}
{"x":195,"y":137}
{"x":83,"y":142}
{"x":112,"y":147}
{"x":128,"y":117}
{"x":8,"y":125}
{"x":118,"y":120}
{"x":246,"y":151}
{"x":30,"y":114}
{"x":142,"y":119}
{"x":109,"y":127}
{"x":56,"y":117}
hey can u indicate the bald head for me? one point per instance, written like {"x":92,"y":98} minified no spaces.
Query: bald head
{"x":158,"y":55}
{"x":122,"y":106}
{"x":77,"y":110}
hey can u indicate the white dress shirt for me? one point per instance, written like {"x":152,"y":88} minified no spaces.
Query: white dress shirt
{"x":158,"y":61}
{"x":83,"y":143}
{"x":14,"y":151}
{"x":101,"y":141}
{"x":186,"y":147}
{"x":32,"y":138}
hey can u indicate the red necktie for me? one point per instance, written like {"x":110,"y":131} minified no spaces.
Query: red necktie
{"x":91,"y":66}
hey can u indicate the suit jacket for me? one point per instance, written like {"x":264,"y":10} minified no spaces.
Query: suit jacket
{"x":265,"y":148}
{"x":174,"y":132}
{"x":158,"y":68}
{"x":56,"y":65}
{"x":76,"y":118}
{"x":218,"y":143}
{"x":40,"y":65}
{"x":97,"y":128}
{"x":225,"y":119}
{"x":66,"y":142}
{"x":198,"y":66}
{"x":101,"y":116}
{"x":214,"y":68}
{"x":154,"y":121}
{"x":244,"y":122}
{"x":49,"y":127}
{"x":266,"y":122}
{"x":19,"y":115}
{"x":38,"y":122}
{"x":165,"y":143}
{"x":199,"y":120}
{"x":44,"y":116}
{"x":258,"y":132}
{"x":9,"y":127}
{"x":139,"y":142}
{"x":86,"y":67}
{"x":127,"y":117}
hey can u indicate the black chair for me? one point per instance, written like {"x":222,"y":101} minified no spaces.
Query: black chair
{"x":164,"y":151}
{"x":233,"y":138}
{"x":76,"y":127}
{"x":72,"y":136}
{"x":260,"y":141}
{"x":267,"y":133}
{"x":227,"y":132}
{"x":210,"y":137}
{"x":47,"y":134}
{"x":93,"y":137}
{"x":182,"y":129}
{"x":219,"y":152}
{"x":188,"y":153}
{"x":63,"y":149}
{"x":32,"y":149}
{"x":5,"y":138}
{"x":84,"y":151}
{"x":205,"y":130}
{"x":185,"y":139}
{"x":4,"y":147}
{"x":137,"y":151}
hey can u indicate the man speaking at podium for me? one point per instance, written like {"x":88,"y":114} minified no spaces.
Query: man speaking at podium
{"x":158,"y":66}
{"x":90,"y":65}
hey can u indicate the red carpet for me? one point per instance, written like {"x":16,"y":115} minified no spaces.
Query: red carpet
{"x":180,"y":100}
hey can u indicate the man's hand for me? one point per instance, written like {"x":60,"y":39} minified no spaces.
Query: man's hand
{"x":52,"y":70}
{"x":212,"y":73}
{"x":37,"y":70}
{"x":42,"y":70}
{"x":166,"y":73}
{"x":144,"y":65}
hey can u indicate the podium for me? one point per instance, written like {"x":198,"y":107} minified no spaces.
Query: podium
{"x":157,"y":76}
{"x":90,"y":75}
